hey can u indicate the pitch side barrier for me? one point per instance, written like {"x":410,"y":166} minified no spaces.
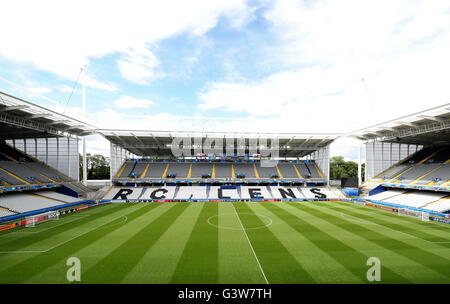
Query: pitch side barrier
{"x":89,"y":203}
{"x":223,"y":200}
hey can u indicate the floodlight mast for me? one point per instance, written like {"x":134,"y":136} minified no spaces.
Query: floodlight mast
{"x":83,"y":77}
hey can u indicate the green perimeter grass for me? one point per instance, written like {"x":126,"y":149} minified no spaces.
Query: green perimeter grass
{"x":282,"y":242}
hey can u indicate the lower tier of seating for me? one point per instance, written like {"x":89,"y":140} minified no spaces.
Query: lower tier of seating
{"x":25,"y":202}
{"x":435,"y":201}
{"x":217,"y":192}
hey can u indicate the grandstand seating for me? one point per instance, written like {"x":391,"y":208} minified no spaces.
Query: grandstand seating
{"x":440,"y":205}
{"x":248,"y":170}
{"x":288,"y":170}
{"x":22,"y":202}
{"x":223,"y":170}
{"x":436,"y":201}
{"x":252,"y":192}
{"x":429,"y":166}
{"x":20,"y":170}
{"x":181,"y":170}
{"x":148,"y":169}
{"x":167,"y":192}
{"x":303,"y":170}
{"x":221,"y":192}
{"x":192,"y":192}
{"x":218,"y":192}
{"x":414,"y":199}
{"x":285,"y":192}
{"x":123,"y":193}
{"x":56,"y":196}
{"x":317,"y":192}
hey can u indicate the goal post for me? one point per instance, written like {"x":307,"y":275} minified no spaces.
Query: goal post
{"x":32,"y":220}
{"x":424,"y":216}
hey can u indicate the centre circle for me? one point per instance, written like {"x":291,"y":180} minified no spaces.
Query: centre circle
{"x":231,"y":221}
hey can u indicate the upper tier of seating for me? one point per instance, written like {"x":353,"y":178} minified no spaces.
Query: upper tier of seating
{"x":147,"y":169}
{"x":427,"y":167}
{"x":20,"y":170}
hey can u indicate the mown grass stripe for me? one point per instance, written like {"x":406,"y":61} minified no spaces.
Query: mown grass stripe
{"x":200,"y":259}
{"x":134,"y":249}
{"x":416,"y":254}
{"x":159,"y":263}
{"x":341,"y":252}
{"x":24,"y":240}
{"x":237,"y":264}
{"x":89,"y":255}
{"x":318,"y":263}
{"x":279,"y":265}
{"x":38,"y":263}
{"x":391,"y":260}
{"x":416,"y":228}
{"x":414,"y":237}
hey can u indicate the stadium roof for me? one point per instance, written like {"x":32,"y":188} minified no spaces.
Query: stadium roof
{"x":429,"y":127}
{"x":158,"y":143}
{"x":22,"y":119}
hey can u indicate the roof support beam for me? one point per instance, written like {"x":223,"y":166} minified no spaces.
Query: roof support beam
{"x":12,"y":108}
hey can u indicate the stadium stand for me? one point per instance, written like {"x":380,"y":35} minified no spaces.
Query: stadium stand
{"x":414,"y":199}
{"x":285,"y":192}
{"x":123,"y":193}
{"x":167,"y":192}
{"x":317,"y":192}
{"x":223,"y":170}
{"x":21,"y":202}
{"x":56,"y":196}
{"x":255,"y":192}
{"x":288,"y":170}
{"x":179,"y":170}
{"x":223,"y":192}
{"x":192,"y":192}
{"x":201,"y":169}
{"x":21,"y":172}
{"x":247,"y":170}
{"x":198,"y":170}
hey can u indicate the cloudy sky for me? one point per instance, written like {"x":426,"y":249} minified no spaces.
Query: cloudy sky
{"x":231,"y":65}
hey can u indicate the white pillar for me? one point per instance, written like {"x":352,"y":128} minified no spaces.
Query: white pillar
{"x":84,"y":137}
{"x":359,"y":165}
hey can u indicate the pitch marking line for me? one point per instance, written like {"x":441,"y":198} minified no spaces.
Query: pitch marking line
{"x":235,"y":228}
{"x":251,"y":246}
{"x":75,"y":237}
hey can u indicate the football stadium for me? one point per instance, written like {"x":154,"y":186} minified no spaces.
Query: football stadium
{"x":224,"y":150}
{"x":209,"y":207}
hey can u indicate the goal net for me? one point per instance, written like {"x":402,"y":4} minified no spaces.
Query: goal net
{"x":417,"y":214}
{"x":32,"y":220}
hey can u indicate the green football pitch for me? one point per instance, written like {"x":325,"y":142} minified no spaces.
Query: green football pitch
{"x":258,"y":242}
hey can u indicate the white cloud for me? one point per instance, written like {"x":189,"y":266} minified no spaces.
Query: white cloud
{"x":38,"y":91}
{"x":139,"y":66}
{"x":326,"y":47}
{"x":60,"y":36}
{"x":128,"y":102}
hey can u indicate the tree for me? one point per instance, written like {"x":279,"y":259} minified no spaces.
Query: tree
{"x":339,"y":168}
{"x":97,"y":166}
